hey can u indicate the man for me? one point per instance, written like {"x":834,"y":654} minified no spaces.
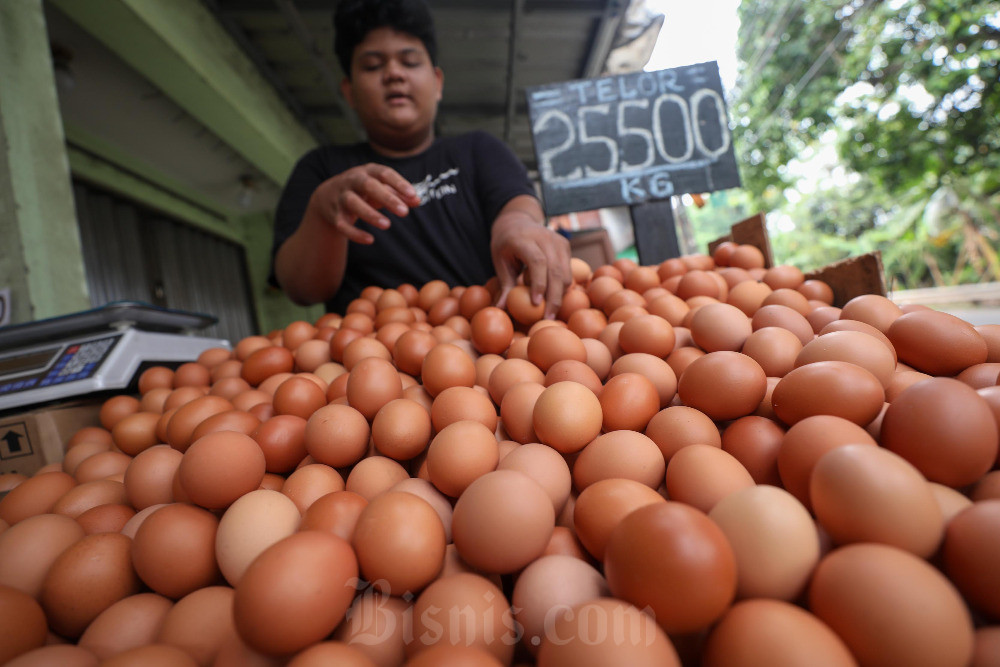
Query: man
{"x":406,"y":205}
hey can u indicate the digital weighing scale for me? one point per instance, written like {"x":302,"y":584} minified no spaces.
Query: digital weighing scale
{"x":97,"y":350}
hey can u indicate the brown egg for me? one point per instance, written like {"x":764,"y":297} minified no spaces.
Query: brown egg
{"x":774,"y":539}
{"x":720,"y":326}
{"x":702,"y":475}
{"x":131,"y":622}
{"x":229,"y":387}
{"x":837,"y":388}
{"x":509,"y":372}
{"x":192,"y":374}
{"x":310,"y":482}
{"x":936,"y":342}
{"x":868,"y":494}
{"x":544,"y":465}
{"x":552,"y":344}
{"x":230,"y":420}
{"x":547,"y":585}
{"x":199,"y":623}
{"x":872,"y":309}
{"x":628,"y":402}
{"x":601,"y":506}
{"x":567,"y":416}
{"x":109,"y":518}
{"x":75,"y":455}
{"x":516,"y":409}
{"x":674,"y":559}
{"x":117,"y":407}
{"x":156,"y":377}
{"x":807,"y":441}
{"x":335,"y":513}
{"x":23,"y":623}
{"x":83,"y":497}
{"x":447,"y":366}
{"x":337,"y":435}
{"x":87,"y":578}
{"x":777,"y":315}
{"x":502,"y":521}
{"x":295,"y":593}
{"x":36,"y":495}
{"x":653,"y":368}
{"x":627,"y":637}
{"x":587,"y":322}
{"x":64,"y":655}
{"x":182,"y":424}
{"x":250,"y":525}
{"x":970,"y":552}
{"x":723,"y":385}
{"x":173,"y":551}
{"x":375,"y":625}
{"x":463,"y":403}
{"x":401,"y":429}
{"x":981,"y":375}
{"x":220,"y":467}
{"x":28,"y":549}
{"x":374,"y":475}
{"x":298,"y":396}
{"x":822,"y":316}
{"x":101,"y":466}
{"x":944,"y":428}
{"x":774,"y":348}
{"x":459,"y":454}
{"x":331,"y":653}
{"x":891,"y":607}
{"x":492,"y":330}
{"x":488,"y":621}
{"x":621,"y":454}
{"x":265,"y":362}
{"x":854,"y":347}
{"x":678,"y":426}
{"x":373,"y":382}
{"x":399,"y":541}
{"x":754,"y":441}
{"x":282,"y":440}
{"x":773,"y":632}
{"x":154,"y":399}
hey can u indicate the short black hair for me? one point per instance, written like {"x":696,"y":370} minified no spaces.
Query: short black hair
{"x":354,"y":19}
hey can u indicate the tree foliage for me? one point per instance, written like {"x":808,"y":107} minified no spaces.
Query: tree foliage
{"x":907,"y":91}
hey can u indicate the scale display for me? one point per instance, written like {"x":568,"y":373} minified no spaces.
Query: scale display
{"x":93,"y":351}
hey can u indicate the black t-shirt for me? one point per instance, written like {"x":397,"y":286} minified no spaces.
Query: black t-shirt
{"x":463,"y":182}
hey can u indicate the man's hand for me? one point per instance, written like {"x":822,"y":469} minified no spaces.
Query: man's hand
{"x":358,"y":194}
{"x":519,"y":241}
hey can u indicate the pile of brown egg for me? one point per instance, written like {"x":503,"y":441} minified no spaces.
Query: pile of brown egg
{"x":700,"y":463}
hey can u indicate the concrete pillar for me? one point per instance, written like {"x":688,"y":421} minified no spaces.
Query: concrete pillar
{"x":41,"y":260}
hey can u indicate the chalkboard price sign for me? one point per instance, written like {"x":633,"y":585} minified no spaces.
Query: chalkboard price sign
{"x":632,"y":138}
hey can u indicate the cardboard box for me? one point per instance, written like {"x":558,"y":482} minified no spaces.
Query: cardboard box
{"x":33,"y":439}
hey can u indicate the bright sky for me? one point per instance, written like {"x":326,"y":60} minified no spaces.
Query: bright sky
{"x":696,"y":32}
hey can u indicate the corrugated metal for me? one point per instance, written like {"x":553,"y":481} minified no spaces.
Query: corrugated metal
{"x":133,"y":254}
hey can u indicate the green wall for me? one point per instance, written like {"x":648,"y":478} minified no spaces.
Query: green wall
{"x":180,"y":48}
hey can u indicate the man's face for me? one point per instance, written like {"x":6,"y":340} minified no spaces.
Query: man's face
{"x":394,"y":87}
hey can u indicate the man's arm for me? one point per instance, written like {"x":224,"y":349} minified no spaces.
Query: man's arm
{"x":520,"y":240}
{"x":310,"y":264}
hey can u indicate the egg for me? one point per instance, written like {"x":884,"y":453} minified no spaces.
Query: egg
{"x":628,"y":401}
{"x":547,"y":585}
{"x":837,"y":388}
{"x":723,"y":385}
{"x":502,"y":521}
{"x":702,"y":475}
{"x":377,"y":625}
{"x":674,"y":559}
{"x":337,"y":435}
{"x":295,"y":592}
{"x":459,"y":454}
{"x":486,"y":619}
{"x":131,"y":622}
{"x":773,"y":632}
{"x":23,"y":626}
{"x":85,"y":579}
{"x":622,"y":454}
{"x":400,"y":542}
{"x":567,"y":416}
{"x":969,"y":553}
{"x":34,"y":496}
{"x":868,"y":494}
{"x":199,"y":623}
{"x":281,"y":439}
{"x":891,"y":607}
{"x":774,"y":539}
{"x":173,"y":551}
{"x":600,"y":507}
{"x":311,"y":482}
{"x":254,"y":522}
